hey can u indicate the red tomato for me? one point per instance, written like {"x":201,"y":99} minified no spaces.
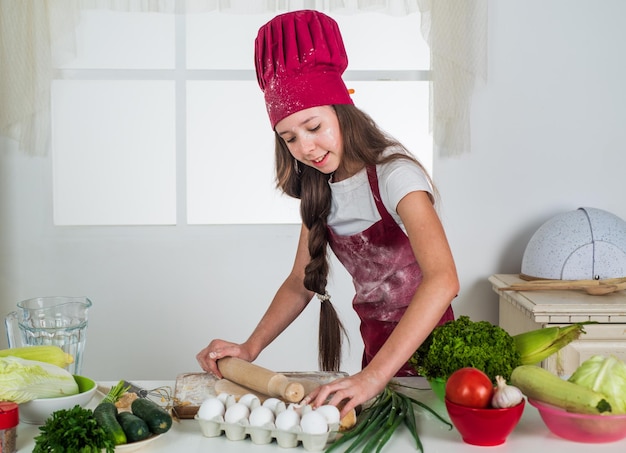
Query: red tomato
{"x":469,"y":387}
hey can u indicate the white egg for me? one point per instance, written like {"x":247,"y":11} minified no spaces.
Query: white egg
{"x":236,"y":413}
{"x":296,"y":407}
{"x":230,"y":400}
{"x":271,"y":403}
{"x":223,"y":397}
{"x":261,"y":416}
{"x":314,"y":423}
{"x":281,"y":406}
{"x":211,"y":408}
{"x":287,"y":419}
{"x":331,"y":413}
{"x":249,"y":400}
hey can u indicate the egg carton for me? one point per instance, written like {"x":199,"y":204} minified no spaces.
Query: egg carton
{"x":265,"y":434}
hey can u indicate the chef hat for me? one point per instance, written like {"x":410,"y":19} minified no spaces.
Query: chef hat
{"x":299,"y":59}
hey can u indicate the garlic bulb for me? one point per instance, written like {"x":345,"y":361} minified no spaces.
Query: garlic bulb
{"x":506,"y":395}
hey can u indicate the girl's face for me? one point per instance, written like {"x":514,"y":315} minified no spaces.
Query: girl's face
{"x":313,"y":138}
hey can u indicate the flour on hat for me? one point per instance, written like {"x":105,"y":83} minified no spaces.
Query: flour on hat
{"x":299,"y":60}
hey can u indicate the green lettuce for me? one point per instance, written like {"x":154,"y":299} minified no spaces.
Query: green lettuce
{"x":24,"y":380}
{"x":606,"y":375}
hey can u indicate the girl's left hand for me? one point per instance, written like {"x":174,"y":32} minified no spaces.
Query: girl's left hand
{"x":346,"y":393}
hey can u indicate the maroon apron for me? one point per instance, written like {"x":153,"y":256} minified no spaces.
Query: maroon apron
{"x":385,"y":274}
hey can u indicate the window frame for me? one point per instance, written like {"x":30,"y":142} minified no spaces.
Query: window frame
{"x":181,"y":75}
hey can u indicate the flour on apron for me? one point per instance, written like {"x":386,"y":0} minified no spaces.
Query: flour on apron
{"x":385,"y":274}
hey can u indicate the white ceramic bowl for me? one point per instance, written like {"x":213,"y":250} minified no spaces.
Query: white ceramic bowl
{"x":37,"y":411}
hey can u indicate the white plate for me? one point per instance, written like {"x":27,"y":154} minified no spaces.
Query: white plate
{"x":134,"y":446}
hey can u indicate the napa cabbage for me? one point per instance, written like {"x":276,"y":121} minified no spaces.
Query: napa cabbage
{"x":606,"y":375}
{"x":23,"y":380}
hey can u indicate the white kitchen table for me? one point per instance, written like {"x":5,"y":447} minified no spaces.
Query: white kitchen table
{"x":529,"y":435}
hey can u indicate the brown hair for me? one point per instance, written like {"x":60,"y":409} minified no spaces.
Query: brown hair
{"x":364,"y":143}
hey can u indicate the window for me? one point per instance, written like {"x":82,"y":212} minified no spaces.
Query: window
{"x":163,"y":123}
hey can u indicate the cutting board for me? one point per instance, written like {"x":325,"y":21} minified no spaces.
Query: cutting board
{"x":192,"y":389}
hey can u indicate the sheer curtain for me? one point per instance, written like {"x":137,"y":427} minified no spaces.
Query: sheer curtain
{"x":36,"y":35}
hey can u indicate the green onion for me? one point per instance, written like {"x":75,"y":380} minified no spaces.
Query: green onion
{"x":378,"y":422}
{"x":411,"y":423}
{"x":115,"y":393}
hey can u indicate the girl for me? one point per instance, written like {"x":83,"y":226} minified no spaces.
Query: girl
{"x":363,"y":195}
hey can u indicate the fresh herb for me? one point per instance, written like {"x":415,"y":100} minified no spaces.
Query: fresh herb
{"x":464,"y":343}
{"x":379,"y":421}
{"x":116,"y":392}
{"x":72,"y":431}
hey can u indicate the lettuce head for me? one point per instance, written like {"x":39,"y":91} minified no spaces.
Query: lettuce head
{"x":606,"y":375}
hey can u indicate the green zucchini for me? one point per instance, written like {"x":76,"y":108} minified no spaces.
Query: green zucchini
{"x":105,"y":414}
{"x":135,"y":428}
{"x":542,"y":385}
{"x":158,"y":419}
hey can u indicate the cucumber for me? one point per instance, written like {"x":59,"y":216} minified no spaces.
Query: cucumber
{"x":134,"y":427}
{"x":105,"y":414}
{"x":158,"y":419}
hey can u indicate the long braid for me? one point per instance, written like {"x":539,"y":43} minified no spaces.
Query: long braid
{"x":330,"y":337}
{"x":314,"y":209}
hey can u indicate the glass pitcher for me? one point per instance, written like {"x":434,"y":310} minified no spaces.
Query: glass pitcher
{"x":57,"y":320}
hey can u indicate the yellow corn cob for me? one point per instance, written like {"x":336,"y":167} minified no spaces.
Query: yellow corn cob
{"x":44,"y":353}
{"x":538,"y":345}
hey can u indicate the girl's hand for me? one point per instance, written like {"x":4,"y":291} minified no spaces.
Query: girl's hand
{"x":217,"y":349}
{"x":347,"y":393}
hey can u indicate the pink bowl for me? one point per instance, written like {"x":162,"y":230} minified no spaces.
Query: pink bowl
{"x":485,"y":427}
{"x":581,"y":427}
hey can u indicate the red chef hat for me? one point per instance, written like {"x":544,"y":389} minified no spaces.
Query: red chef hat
{"x":299,"y":59}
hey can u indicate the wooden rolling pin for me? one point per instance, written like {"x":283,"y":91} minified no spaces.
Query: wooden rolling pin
{"x":260,"y":379}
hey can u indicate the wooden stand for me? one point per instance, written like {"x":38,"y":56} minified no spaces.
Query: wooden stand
{"x":521,"y":311}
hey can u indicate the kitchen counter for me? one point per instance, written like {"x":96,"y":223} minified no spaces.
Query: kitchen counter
{"x":529,"y":435}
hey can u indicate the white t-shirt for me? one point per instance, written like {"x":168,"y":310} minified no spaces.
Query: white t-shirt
{"x":353,"y":208}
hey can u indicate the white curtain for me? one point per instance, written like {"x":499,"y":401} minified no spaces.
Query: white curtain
{"x":36,"y":35}
{"x":456,"y":31}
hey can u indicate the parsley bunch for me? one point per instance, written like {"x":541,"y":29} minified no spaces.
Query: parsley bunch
{"x":464,"y":343}
{"x":72,"y":431}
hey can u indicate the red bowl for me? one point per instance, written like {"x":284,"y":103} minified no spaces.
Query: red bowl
{"x":484,"y":427}
{"x":582,"y":427}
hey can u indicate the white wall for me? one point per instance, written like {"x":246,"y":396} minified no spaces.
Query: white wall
{"x":548,"y":137}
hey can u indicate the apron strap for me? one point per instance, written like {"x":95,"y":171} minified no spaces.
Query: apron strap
{"x":372,"y":177}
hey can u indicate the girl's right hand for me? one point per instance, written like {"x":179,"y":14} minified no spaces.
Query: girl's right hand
{"x":217,"y":349}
